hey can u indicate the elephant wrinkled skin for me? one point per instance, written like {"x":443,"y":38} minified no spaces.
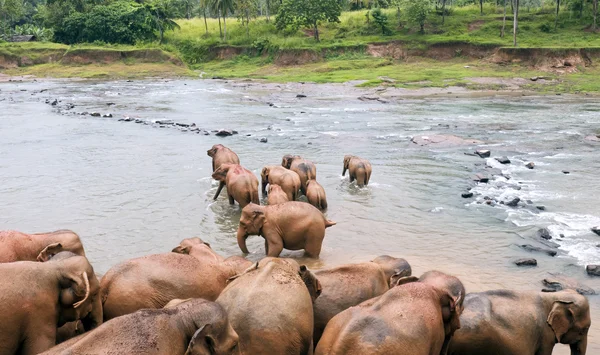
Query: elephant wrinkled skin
{"x":17,"y":246}
{"x":291,"y":225}
{"x":152,"y":281}
{"x":288,"y":180}
{"x":315,"y":194}
{"x":270,"y":306}
{"x":303,"y":167}
{"x":194,"y":327}
{"x":276,"y":195}
{"x":220,"y":155}
{"x":39,"y":297}
{"x":348,"y":285}
{"x":242,"y":185}
{"x":359,"y":170}
{"x":504,"y":322}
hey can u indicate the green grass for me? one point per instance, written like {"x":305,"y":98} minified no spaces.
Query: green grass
{"x":123,"y":69}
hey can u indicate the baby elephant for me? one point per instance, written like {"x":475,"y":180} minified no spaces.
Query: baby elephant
{"x":194,"y":327}
{"x":291,"y":225}
{"x":242,"y":185}
{"x":276,"y":195}
{"x":360,"y":169}
{"x":315,"y":193}
{"x":288,"y":180}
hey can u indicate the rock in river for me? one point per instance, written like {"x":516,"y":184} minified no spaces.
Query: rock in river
{"x":468,"y":194}
{"x":264,"y":140}
{"x":481,"y":178}
{"x":503,"y":160}
{"x":483,"y":153}
{"x":224,"y":133}
{"x":526,"y":262}
{"x":560,"y":282}
{"x":513,"y":203}
{"x":544,"y":233}
{"x":530,"y":165}
{"x":593,"y":270}
{"x":530,"y":247}
{"x":443,"y":140}
{"x":596,"y":230}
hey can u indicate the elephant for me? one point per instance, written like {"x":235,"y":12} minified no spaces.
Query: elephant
{"x":504,"y":322}
{"x":193,"y":326}
{"x":292,"y":225}
{"x":288,"y":180}
{"x":359,"y":169}
{"x":17,"y":246}
{"x":39,"y":297}
{"x":315,"y":194}
{"x":412,"y":318}
{"x":152,"y":281}
{"x":242,"y":185}
{"x":270,"y":307}
{"x":348,"y":285}
{"x":303,"y":167}
{"x":220,"y":155}
{"x":276,"y":195}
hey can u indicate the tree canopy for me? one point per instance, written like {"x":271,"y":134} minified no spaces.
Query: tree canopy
{"x":308,"y":13}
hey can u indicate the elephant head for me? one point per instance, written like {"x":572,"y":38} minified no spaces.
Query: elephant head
{"x":79,"y":295}
{"x":569,"y":318}
{"x":221,"y":173}
{"x":288,"y":159}
{"x":49,"y":251}
{"x":197,"y":248}
{"x":215,"y":148}
{"x":187,"y":244}
{"x":264,"y":175}
{"x":312,"y":283}
{"x":251,"y":222}
{"x":394,"y":268}
{"x":347,"y":159}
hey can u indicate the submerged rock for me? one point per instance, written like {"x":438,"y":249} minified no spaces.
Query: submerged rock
{"x":526,"y":262}
{"x":566,"y":172}
{"x":481,"y":178}
{"x":593,"y":270}
{"x":300,"y":96}
{"x":467,"y":194}
{"x":224,"y":133}
{"x":503,"y":160}
{"x":544,"y":233}
{"x":560,"y":282}
{"x":95,"y":114}
{"x":443,"y":140}
{"x":165,"y":122}
{"x":107,"y":115}
{"x":483,"y":153}
{"x":264,"y":140}
{"x":530,"y":165}
{"x":532,"y":248}
{"x":513,"y":203}
{"x":596,"y":230}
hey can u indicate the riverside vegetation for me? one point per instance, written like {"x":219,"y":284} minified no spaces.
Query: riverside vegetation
{"x":378,"y":42}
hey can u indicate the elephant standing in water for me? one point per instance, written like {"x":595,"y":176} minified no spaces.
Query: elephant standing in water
{"x":348,"y":285}
{"x":192,"y":270}
{"x":412,"y":318}
{"x":220,"y":155}
{"x":270,"y":306}
{"x":242,"y":185}
{"x":17,"y":246}
{"x":201,"y":327}
{"x":315,"y":194}
{"x":303,"y":167}
{"x":359,"y":170}
{"x":291,"y":225}
{"x":507,"y":322}
{"x":288,"y":180}
{"x":276,"y":195}
{"x":39,"y":297}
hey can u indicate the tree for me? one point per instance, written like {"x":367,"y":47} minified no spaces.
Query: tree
{"x":308,"y":13}
{"x":10,"y":12}
{"x":222,"y":7}
{"x":515,"y":21}
{"x":503,"y":21}
{"x":557,"y":10}
{"x":380,"y":20}
{"x":481,"y":6}
{"x":243,"y":10}
{"x":417,"y":12}
{"x":163,"y":13}
{"x":203,"y":5}
{"x":595,"y":10}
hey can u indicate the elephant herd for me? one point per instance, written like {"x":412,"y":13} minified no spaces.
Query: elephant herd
{"x":193,"y":301}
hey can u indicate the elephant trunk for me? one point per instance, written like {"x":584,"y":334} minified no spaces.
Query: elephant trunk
{"x":579,"y":348}
{"x":241,"y":239}
{"x":221,"y":185}
{"x":264,"y":186}
{"x":94,"y":318}
{"x":344,"y":172}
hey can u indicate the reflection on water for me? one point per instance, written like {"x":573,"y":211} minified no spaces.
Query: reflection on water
{"x":133,"y":189}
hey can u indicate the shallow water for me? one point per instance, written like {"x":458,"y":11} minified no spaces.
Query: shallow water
{"x":133,"y":189}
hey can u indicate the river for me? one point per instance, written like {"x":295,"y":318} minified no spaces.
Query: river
{"x":134,"y":189}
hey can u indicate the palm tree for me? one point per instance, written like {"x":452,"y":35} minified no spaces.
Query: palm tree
{"x":162,"y":15}
{"x":204,"y":4}
{"x":222,"y":7}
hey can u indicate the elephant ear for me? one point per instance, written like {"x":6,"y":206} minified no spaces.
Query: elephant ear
{"x":560,"y":318}
{"x":403,"y":280}
{"x":258,"y":219}
{"x":79,"y":286}
{"x":49,"y":251}
{"x":202,"y":342}
{"x":251,"y":268}
{"x":182,"y":250}
{"x":312,"y":283}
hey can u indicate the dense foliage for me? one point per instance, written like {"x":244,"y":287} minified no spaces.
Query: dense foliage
{"x":135,"y":21}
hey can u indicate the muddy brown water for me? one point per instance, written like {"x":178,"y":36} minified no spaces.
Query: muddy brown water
{"x":131,"y":189}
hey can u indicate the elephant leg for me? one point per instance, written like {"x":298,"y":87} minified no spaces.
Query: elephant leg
{"x":275,"y":243}
{"x":266,"y":247}
{"x":231,"y":199}
{"x":352,"y":177}
{"x":221,"y":185}
{"x":312,"y":249}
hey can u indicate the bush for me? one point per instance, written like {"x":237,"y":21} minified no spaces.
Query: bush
{"x":381,"y":20}
{"x":546,"y":27}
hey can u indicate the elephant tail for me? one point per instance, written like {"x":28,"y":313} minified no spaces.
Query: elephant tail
{"x":329,"y":223}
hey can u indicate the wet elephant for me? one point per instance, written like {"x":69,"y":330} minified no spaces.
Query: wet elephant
{"x":348,"y":285}
{"x":291,"y":225}
{"x":303,"y":167}
{"x":315,"y":194}
{"x":193,"y":270}
{"x":17,"y":246}
{"x":242,"y":185}
{"x":359,"y":169}
{"x":220,"y":155}
{"x":39,"y":297}
{"x":507,"y":322}
{"x":270,"y":306}
{"x":194,"y":327}
{"x":276,"y":195}
{"x":412,"y":318}
{"x":288,"y":180}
